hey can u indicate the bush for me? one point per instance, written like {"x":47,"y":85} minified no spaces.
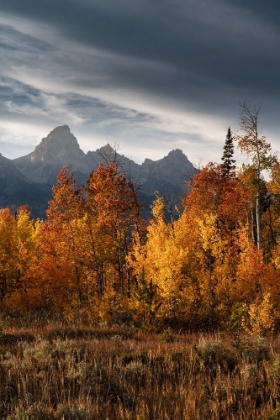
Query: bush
{"x":276,"y":414}
{"x":67,"y":412}
{"x":167,"y":336}
{"x":35,"y":411}
{"x":212,"y":353}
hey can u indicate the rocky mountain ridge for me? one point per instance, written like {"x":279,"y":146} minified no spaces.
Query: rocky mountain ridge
{"x":34,"y":174}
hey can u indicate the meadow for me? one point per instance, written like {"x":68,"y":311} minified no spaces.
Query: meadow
{"x":52,"y":368}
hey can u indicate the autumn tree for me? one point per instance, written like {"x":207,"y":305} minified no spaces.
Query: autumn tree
{"x":218,"y":209}
{"x":273,"y":197}
{"x":55,"y":277}
{"x":8,"y":273}
{"x":259,"y":150}
{"x":226,"y":197}
{"x":18,"y":234}
{"x":114,"y":209}
{"x":163,"y":255}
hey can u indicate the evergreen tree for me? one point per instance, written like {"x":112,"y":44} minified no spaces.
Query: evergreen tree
{"x":146,"y":295}
{"x":228,"y":161}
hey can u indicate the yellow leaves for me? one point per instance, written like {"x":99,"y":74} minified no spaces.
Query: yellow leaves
{"x":167,"y":256}
{"x":85,"y":256}
{"x":209,"y":236}
{"x":158,"y":209}
{"x":27,"y":229}
{"x":274,"y":185}
{"x":163,"y":255}
{"x":261,"y":316}
{"x":18,"y":235}
{"x":251,"y":272}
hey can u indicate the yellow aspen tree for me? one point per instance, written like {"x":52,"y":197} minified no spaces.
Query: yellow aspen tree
{"x":211,"y":253}
{"x":162,"y":257}
{"x":261,"y":316}
{"x":9,"y":274}
{"x":19,"y":236}
{"x":252,"y":272}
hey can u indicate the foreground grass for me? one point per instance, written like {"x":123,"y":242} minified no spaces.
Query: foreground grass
{"x":51,"y":369}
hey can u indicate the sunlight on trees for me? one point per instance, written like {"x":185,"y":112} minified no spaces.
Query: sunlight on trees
{"x":95,"y":256}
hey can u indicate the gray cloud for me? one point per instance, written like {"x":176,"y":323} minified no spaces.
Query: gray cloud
{"x":143,"y":72}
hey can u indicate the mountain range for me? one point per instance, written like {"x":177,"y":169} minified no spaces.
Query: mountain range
{"x":29,"y":179}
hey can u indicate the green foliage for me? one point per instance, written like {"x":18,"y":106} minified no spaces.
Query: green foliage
{"x":234,"y":325}
{"x":167,"y":336}
{"x":145,"y":293}
{"x":228,"y":161}
{"x":36,"y":411}
{"x":276,"y":413}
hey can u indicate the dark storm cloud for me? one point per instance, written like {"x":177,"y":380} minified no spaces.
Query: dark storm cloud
{"x":200,"y":55}
{"x":174,"y":32}
{"x":206,"y":54}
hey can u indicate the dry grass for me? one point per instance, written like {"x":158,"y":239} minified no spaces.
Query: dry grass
{"x":53,"y":369}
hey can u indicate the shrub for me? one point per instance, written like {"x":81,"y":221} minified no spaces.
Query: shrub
{"x":213,"y":353}
{"x":68,"y":412}
{"x":35,"y":411}
{"x":276,"y":413}
{"x":167,"y":336}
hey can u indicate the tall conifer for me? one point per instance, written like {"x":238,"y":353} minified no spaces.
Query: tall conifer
{"x":228,"y":161}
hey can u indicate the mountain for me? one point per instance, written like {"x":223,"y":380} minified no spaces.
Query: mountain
{"x":36,"y":172}
{"x":15,"y":190}
{"x":60,"y":148}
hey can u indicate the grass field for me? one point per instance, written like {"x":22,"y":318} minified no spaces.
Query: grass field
{"x":54,"y":369}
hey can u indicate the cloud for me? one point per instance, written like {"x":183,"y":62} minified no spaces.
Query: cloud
{"x":151,"y":75}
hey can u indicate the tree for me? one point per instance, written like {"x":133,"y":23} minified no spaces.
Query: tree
{"x":259,"y":150}
{"x":162,"y":255}
{"x":113,"y":207}
{"x":228,"y":161}
{"x":18,"y":237}
{"x":146,"y":296}
{"x":251,"y":144}
{"x":66,"y":208}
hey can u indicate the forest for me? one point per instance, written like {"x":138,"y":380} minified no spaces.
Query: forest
{"x":109,"y":315}
{"x":214,"y":257}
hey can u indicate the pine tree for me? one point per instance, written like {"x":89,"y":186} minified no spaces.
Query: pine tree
{"x":228,"y":162}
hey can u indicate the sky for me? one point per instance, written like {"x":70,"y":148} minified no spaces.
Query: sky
{"x":148,"y":76}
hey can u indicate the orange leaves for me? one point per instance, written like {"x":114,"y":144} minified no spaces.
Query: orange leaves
{"x":81,"y":248}
{"x":206,"y":189}
{"x":111,"y":196}
{"x":226,"y":197}
{"x":92,"y":246}
{"x":68,"y":200}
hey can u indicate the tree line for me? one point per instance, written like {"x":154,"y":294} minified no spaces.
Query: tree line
{"x":95,"y":255}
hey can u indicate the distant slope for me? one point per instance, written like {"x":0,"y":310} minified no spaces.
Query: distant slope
{"x":15,"y":190}
{"x":39,"y":170}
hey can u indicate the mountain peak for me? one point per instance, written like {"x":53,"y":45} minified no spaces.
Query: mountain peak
{"x":176,"y":152}
{"x":61,"y":129}
{"x":60,"y":148}
{"x":58,"y":144}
